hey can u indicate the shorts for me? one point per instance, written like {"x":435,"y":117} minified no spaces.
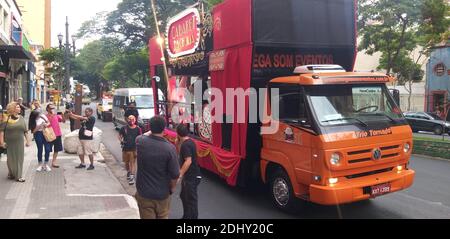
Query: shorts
{"x":57,"y":144}
{"x":129,"y":156}
{"x":86,"y":147}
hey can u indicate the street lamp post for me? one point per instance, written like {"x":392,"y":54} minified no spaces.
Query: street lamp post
{"x":67,"y":51}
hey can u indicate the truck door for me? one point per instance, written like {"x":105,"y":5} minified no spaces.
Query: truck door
{"x":293,"y":138}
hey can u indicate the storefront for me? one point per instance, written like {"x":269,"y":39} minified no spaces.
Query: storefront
{"x":14,"y":73}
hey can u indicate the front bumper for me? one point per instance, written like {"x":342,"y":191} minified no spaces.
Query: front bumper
{"x":352,"y":190}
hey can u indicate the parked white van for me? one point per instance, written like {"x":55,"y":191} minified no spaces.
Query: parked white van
{"x":143,"y":97}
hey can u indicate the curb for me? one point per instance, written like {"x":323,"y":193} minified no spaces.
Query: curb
{"x":431,"y":157}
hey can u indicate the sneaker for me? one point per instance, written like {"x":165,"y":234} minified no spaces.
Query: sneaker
{"x":132,"y":180}
{"x":47,"y":168}
{"x":128,"y":176}
{"x":91,"y":167}
{"x":40,"y":168}
{"x":81,"y":166}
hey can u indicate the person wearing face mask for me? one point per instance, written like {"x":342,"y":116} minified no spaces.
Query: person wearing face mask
{"x":127,"y":137}
{"x":54,"y":120}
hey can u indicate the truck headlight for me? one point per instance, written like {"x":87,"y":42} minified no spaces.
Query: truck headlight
{"x":332,"y":180}
{"x":335,"y":159}
{"x":406,"y":147}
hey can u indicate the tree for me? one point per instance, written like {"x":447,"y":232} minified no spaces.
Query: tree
{"x":54,"y":60}
{"x":214,"y":2}
{"x":387,"y":26}
{"x":132,"y":22}
{"x":128,"y":70}
{"x":91,"y":60}
{"x":398,"y":29}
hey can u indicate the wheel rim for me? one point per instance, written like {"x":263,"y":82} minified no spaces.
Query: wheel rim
{"x":281,"y":191}
{"x":437,"y":130}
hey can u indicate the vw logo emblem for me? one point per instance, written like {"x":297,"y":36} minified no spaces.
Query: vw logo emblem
{"x":376,"y":154}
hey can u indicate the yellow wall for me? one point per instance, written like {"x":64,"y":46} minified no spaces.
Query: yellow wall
{"x":36,"y":15}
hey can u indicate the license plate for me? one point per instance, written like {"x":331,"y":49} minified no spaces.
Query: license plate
{"x":381,"y":189}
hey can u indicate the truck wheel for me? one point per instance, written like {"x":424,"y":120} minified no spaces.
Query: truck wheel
{"x":282,"y":192}
{"x":437,"y":130}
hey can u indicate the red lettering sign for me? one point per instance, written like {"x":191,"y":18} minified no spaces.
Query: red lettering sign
{"x":183,"y":34}
{"x":217,"y":60}
{"x":290,"y":60}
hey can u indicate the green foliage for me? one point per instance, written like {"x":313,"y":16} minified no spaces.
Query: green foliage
{"x":396,"y":28}
{"x":121,"y":56}
{"x":54,"y":60}
{"x":214,"y":2}
{"x":435,"y":23}
{"x":129,"y":69}
{"x":132,"y":22}
{"x":51,"y":56}
{"x":91,"y":60}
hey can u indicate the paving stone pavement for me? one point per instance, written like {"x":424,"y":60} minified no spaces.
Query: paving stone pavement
{"x":65,"y":192}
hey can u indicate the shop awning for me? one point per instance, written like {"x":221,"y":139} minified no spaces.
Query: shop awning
{"x":16,"y":52}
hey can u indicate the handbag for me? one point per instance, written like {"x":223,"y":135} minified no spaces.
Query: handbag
{"x":48,"y":132}
{"x":87,"y":133}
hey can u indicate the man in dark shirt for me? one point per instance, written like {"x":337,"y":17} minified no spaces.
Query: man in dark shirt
{"x":127,"y":137}
{"x":189,"y":173}
{"x":86,"y":135}
{"x":157,"y":172}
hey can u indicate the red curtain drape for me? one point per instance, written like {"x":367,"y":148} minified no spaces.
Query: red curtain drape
{"x":237,"y":74}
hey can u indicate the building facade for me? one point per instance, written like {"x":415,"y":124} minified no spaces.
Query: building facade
{"x":15,"y":56}
{"x":36,"y":15}
{"x":438,"y":80}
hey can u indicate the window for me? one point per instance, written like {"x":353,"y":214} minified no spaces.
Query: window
{"x":188,"y":108}
{"x":347,"y":104}
{"x":292,"y":107}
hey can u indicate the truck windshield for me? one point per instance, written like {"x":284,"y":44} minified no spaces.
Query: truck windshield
{"x":142,"y":101}
{"x":352,"y":104}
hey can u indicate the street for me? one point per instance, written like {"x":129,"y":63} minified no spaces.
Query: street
{"x":429,"y":197}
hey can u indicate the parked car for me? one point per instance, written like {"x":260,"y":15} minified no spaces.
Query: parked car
{"x":104,"y":105}
{"x":427,"y":121}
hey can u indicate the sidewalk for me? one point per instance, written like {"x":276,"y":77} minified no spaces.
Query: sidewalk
{"x":65,"y":192}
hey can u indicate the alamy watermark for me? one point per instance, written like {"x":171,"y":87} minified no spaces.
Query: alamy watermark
{"x":232,"y":107}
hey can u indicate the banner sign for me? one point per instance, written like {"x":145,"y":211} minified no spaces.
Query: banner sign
{"x":217,"y":60}
{"x":183,"y":33}
{"x":278,"y":61}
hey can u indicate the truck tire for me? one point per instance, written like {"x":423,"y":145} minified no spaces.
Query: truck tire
{"x":282,"y":193}
{"x":437,"y":130}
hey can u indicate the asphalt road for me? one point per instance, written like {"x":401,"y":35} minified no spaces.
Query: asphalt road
{"x":429,"y":197}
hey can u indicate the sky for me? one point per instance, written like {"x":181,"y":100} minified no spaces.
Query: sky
{"x":78,"y":11}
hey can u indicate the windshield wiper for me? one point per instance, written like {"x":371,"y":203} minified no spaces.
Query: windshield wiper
{"x":385,"y":115}
{"x":346,"y":118}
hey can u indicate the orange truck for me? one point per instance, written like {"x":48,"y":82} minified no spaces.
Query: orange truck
{"x":340,"y":138}
{"x":344,"y":141}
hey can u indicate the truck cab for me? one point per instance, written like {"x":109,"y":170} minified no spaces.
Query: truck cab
{"x":341,"y":138}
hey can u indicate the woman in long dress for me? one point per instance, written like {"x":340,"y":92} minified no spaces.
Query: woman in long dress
{"x":13,"y":133}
